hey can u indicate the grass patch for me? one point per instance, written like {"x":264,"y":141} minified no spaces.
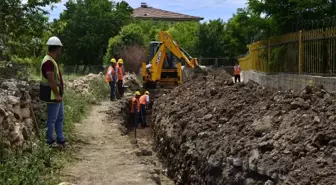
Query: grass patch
{"x":38,"y":167}
{"x":42,"y":165}
{"x":99,"y":90}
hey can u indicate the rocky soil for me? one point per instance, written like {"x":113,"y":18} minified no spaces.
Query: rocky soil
{"x":211,"y":131}
{"x":16,"y":121}
{"x":132,"y":82}
{"x":82,"y":84}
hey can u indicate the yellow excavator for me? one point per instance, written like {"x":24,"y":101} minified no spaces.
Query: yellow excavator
{"x":164,"y":67}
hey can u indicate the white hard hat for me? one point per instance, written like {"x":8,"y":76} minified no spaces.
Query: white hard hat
{"x":54,"y":41}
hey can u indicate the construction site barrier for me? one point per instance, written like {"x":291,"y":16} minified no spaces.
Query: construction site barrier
{"x":305,"y":52}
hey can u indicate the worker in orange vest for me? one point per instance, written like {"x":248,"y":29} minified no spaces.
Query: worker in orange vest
{"x":237,"y":72}
{"x":135,"y":109}
{"x":111,"y":77}
{"x":144,"y":103}
{"x":120,"y":77}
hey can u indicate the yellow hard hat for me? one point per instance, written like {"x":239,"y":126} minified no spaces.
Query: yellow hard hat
{"x":146,"y":92}
{"x":113,"y":60}
{"x":137,"y":93}
{"x":120,"y":61}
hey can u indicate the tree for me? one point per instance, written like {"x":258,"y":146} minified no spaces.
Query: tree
{"x":186,"y":34}
{"x":285,"y":14}
{"x":243,"y":28}
{"x":130,"y":35}
{"x":88,"y":24}
{"x":211,"y":39}
{"x":21,"y":27}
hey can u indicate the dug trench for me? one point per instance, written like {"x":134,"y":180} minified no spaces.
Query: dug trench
{"x":104,"y":155}
{"x":210,"y":131}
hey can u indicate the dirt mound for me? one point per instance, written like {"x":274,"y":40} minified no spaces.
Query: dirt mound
{"x":131,"y":82}
{"x":82,"y":84}
{"x":211,"y":131}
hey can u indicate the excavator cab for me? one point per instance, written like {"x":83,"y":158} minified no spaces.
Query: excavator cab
{"x":153,"y":48}
{"x":170,"y":59}
{"x":169,"y":75}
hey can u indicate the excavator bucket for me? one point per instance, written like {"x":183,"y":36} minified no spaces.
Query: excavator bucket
{"x":188,"y":72}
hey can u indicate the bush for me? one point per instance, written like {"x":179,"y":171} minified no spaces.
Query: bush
{"x":37,"y":167}
{"x":33,"y":63}
{"x":75,"y":107}
{"x":129,"y":35}
{"x":99,"y":90}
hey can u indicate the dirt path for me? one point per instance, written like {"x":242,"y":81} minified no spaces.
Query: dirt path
{"x":105,"y":157}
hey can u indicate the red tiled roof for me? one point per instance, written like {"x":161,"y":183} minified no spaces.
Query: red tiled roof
{"x":146,"y":12}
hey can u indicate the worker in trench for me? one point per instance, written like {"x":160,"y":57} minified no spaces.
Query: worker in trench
{"x":120,"y":75}
{"x":144,"y":103}
{"x":135,"y":109}
{"x":236,"y":72}
{"x":51,"y":91}
{"x":111,"y":78}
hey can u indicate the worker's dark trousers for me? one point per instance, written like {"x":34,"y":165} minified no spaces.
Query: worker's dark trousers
{"x":237,"y":78}
{"x":120,"y":88}
{"x":112,"y":86}
{"x":143,"y":115}
{"x":135,"y":119}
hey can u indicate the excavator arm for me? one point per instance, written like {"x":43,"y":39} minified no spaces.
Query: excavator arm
{"x":176,"y":49}
{"x":157,"y":62}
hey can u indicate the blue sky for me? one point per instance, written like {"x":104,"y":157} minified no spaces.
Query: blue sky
{"x":209,"y":9}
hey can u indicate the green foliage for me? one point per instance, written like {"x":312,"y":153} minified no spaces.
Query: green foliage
{"x":129,"y":35}
{"x":243,"y":28}
{"x":286,"y":13}
{"x":86,"y":25}
{"x":99,"y":90}
{"x":22,"y":26}
{"x":33,"y":63}
{"x":75,"y":107}
{"x":141,"y":33}
{"x":211,"y":39}
{"x":186,"y":34}
{"x":151,"y":29}
{"x":31,"y":168}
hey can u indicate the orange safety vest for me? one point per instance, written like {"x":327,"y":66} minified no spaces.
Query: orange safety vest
{"x":237,"y":70}
{"x":120,"y":73}
{"x":137,"y":103}
{"x":143,"y":100}
{"x":107,"y":77}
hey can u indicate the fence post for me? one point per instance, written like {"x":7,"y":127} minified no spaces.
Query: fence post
{"x":216,"y":62}
{"x":300,"y":52}
{"x":269,"y":56}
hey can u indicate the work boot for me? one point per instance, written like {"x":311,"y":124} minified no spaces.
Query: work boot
{"x":61,"y":142}
{"x":51,"y":143}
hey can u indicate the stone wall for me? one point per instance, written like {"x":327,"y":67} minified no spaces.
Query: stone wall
{"x":16,"y":123}
{"x":289,"y":81}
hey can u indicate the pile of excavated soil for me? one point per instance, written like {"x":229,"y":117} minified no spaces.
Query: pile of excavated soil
{"x":210,"y":131}
{"x":132,"y":82}
{"x":82,"y":84}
